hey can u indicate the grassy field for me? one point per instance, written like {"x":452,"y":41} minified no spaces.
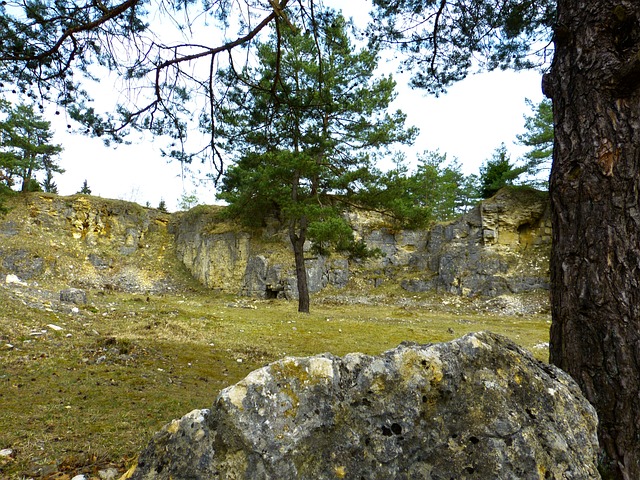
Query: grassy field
{"x":90,"y":395}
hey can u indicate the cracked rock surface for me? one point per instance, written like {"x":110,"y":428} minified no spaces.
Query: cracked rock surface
{"x":477,"y":407}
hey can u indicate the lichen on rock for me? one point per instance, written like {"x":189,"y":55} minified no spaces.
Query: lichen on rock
{"x":476,"y":407}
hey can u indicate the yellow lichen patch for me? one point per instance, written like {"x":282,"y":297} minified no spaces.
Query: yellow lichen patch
{"x":517,"y":378}
{"x":377,"y":385}
{"x":237,"y":394}
{"x":173,"y":427}
{"x":340,"y":472}
{"x":321,"y":368}
{"x":416,"y":365}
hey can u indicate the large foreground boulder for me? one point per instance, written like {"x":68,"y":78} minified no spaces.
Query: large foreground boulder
{"x":475,"y":408}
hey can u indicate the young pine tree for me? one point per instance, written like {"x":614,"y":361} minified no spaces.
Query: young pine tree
{"x":304,"y":127}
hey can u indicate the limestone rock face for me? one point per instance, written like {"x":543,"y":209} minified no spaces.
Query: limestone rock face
{"x":88,"y":242}
{"x":499,"y":247}
{"x":476,"y":407}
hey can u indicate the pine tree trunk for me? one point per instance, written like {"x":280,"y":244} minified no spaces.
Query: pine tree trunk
{"x":297,"y":241}
{"x":595,"y":195}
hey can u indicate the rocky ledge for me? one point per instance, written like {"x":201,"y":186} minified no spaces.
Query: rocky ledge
{"x":477,"y":407}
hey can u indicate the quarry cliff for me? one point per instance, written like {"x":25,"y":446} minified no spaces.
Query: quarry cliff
{"x":499,"y":247}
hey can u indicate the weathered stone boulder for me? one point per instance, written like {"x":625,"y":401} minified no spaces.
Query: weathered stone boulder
{"x":477,"y":407}
{"x":73,"y":295}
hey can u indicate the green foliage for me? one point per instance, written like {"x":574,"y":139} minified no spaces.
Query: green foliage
{"x":436,"y":191}
{"x":187,"y":201}
{"x":162,"y":206}
{"x":307,"y":146}
{"x":498,"y":172}
{"x":25,"y":147}
{"x":444,"y":41}
{"x":32,"y":186}
{"x":85,"y":190}
{"x":539,"y":138}
{"x":48,"y":184}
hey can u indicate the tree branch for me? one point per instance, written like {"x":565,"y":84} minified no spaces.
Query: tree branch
{"x":109,"y":15}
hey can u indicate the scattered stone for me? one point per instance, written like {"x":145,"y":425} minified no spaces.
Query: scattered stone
{"x":6,"y":452}
{"x":73,"y":295}
{"x":54,"y":327}
{"x":108,"y":474}
{"x":12,"y":279}
{"x":479,"y":406}
{"x":79,"y":477}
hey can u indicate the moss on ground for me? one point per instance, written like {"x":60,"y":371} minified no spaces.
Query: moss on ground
{"x":92,"y":394}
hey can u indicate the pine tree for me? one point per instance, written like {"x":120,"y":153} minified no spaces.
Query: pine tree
{"x":25,"y":147}
{"x":306,"y":139}
{"x":85,"y":190}
{"x":539,"y":138}
{"x":498,"y":172}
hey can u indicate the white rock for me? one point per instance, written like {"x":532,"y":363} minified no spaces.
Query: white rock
{"x":54,"y":327}
{"x":79,"y":477}
{"x":13,"y":279}
{"x":108,"y":474}
{"x":6,"y":452}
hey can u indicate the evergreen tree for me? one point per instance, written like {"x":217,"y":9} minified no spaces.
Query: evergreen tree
{"x":539,"y":138}
{"x":49,"y":185}
{"x":25,"y":147}
{"x":436,"y":191}
{"x":307,"y":139}
{"x":498,"y":172}
{"x":85,"y":190}
{"x":187,"y":201}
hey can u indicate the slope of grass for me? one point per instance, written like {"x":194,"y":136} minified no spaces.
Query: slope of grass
{"x":90,"y":395}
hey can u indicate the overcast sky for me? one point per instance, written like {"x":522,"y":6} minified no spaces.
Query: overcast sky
{"x":468,"y":123}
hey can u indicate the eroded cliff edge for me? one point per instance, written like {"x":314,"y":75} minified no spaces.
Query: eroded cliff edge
{"x":501,"y":246}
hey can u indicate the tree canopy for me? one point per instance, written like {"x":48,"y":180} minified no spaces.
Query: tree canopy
{"x":305,"y":141}
{"x":498,"y":172}
{"x":538,"y":136}
{"x":25,"y":146}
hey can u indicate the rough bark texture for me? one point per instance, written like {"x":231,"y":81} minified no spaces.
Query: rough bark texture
{"x":595,"y":199}
{"x":297,"y":241}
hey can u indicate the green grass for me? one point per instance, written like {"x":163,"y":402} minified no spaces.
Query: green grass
{"x":92,"y":394}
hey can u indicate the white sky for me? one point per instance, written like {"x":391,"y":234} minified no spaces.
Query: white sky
{"x":468,"y":123}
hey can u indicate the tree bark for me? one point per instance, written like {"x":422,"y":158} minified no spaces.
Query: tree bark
{"x":297,"y":241}
{"x":595,"y":195}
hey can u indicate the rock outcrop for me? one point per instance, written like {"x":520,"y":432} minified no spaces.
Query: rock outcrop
{"x":499,"y":247}
{"x":87,"y":241}
{"x":477,"y":407}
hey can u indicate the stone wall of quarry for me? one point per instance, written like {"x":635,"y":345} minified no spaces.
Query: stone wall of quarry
{"x":87,"y":241}
{"x":501,"y":246}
